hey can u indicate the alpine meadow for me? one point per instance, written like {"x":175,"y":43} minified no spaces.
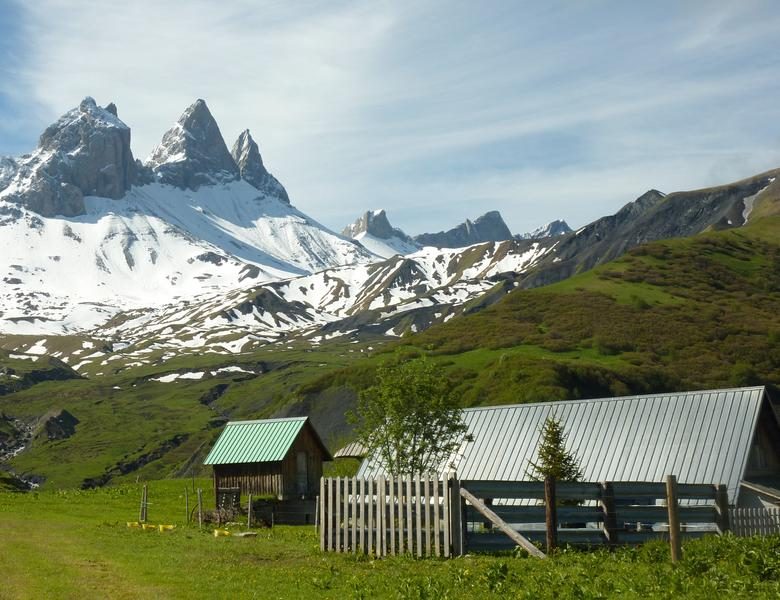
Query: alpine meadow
{"x":442,"y":338}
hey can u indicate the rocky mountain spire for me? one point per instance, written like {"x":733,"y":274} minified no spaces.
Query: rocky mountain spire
{"x":85,"y":153}
{"x":192,"y":153}
{"x":375,"y":223}
{"x":246,"y":154}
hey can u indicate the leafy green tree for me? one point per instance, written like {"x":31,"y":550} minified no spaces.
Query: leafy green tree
{"x":553,"y":458}
{"x":409,"y":419}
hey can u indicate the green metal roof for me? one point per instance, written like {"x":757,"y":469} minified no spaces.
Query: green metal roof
{"x":267,"y":440}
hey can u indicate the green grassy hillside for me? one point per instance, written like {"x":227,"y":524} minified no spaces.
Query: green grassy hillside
{"x":132,"y":425}
{"x":690,"y":313}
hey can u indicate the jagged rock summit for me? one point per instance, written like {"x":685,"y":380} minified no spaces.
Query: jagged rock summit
{"x":86,"y":152}
{"x":192,"y":152}
{"x":374,"y":231}
{"x":552,"y":229}
{"x":490,"y":227}
{"x":373,"y":222}
{"x":246,"y":154}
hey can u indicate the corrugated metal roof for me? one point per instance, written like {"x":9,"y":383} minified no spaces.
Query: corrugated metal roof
{"x":702,"y":437}
{"x":353,"y":450}
{"x":267,"y":440}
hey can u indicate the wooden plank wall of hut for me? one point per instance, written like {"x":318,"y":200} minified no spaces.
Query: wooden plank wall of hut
{"x":251,"y":478}
{"x":314,"y":458}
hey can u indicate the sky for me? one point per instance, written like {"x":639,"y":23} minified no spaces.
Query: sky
{"x":437,"y":111}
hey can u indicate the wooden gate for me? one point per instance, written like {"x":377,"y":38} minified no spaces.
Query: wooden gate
{"x":397,"y":515}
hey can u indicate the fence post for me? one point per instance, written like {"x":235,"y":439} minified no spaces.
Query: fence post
{"x":401,"y":509}
{"x":551,"y":513}
{"x":337,"y":531}
{"x":381,"y":515}
{"x":186,"y":505}
{"x":436,"y":515}
{"x":674,"y":517}
{"x":362,"y":532}
{"x":445,"y":488}
{"x":391,"y":507}
{"x":321,"y":502}
{"x":418,"y":517}
{"x":409,"y":517}
{"x":331,"y":513}
{"x":425,"y":497}
{"x":142,"y":510}
{"x":249,"y":513}
{"x":354,"y":537}
{"x":610,"y":517}
{"x":722,"y":506}
{"x":200,"y":508}
{"x":457,"y":524}
{"x":370,"y":501}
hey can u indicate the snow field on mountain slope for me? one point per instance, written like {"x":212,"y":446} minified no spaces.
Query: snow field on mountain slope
{"x":154,"y":246}
{"x":243,"y":222}
{"x":385,"y":247}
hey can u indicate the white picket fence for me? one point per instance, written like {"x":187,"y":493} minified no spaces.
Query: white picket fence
{"x":755,"y":521}
{"x":392,"y":516}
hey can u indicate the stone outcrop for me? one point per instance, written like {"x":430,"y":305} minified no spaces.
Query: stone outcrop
{"x":375,"y":223}
{"x":58,"y":426}
{"x":246,"y":155}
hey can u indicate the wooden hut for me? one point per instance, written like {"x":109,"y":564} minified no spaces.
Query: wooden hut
{"x":274,"y":457}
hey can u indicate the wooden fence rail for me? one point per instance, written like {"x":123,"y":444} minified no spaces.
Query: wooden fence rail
{"x":423,"y":515}
{"x":755,"y":521}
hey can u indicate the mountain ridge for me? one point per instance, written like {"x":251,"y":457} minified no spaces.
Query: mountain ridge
{"x":490,"y":227}
{"x":193,"y":236}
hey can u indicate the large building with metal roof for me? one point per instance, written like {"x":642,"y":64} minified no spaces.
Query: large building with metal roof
{"x":729,"y":436}
{"x":278,"y":457}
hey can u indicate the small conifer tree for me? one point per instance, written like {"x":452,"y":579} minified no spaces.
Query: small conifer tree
{"x":553,"y":458}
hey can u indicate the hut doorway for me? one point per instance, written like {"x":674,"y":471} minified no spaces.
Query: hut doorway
{"x":302,"y":473}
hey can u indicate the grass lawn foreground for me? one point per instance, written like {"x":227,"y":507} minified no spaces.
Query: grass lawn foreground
{"x":76,"y":544}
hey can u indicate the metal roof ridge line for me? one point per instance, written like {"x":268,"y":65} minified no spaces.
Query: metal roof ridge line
{"x":612,"y":398}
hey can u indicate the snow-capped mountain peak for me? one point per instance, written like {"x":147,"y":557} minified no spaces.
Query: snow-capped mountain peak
{"x":247,"y":156}
{"x":86,"y":152}
{"x":86,"y":231}
{"x":552,"y":229}
{"x":374,"y":231}
{"x":192,"y":152}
